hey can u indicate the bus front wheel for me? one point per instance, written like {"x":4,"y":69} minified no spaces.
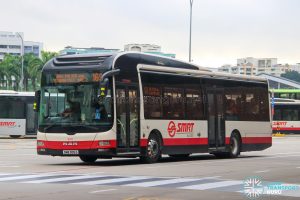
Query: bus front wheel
{"x":153,"y":151}
{"x":88,"y":159}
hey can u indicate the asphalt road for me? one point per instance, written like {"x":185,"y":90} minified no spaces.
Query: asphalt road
{"x":25,"y":175}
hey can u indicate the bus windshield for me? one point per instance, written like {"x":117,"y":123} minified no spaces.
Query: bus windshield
{"x":74,"y":107}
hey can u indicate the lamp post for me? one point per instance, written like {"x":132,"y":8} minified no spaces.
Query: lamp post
{"x":190,"y":42}
{"x":22,"y":62}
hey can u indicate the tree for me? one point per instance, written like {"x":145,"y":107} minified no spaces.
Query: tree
{"x":34,"y":67}
{"x":10,"y":68}
{"x":292,"y":75}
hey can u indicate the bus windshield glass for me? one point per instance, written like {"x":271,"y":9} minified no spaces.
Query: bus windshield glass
{"x":72,"y":103}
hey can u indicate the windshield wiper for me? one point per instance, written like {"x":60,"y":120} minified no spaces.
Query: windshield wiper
{"x":50,"y":126}
{"x":89,"y":126}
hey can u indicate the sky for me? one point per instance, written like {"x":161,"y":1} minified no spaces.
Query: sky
{"x":222,"y":30}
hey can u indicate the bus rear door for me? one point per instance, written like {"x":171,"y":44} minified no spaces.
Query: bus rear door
{"x":216,"y":119}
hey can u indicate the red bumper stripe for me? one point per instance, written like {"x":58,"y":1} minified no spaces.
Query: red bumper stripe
{"x":287,"y":129}
{"x":70,"y":145}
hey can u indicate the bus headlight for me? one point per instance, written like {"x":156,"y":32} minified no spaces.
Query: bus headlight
{"x":104,"y":143}
{"x":40,"y":143}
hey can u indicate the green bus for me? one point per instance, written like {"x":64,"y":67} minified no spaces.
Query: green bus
{"x":286,"y":93}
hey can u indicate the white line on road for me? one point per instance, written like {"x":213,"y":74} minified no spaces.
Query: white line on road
{"x":114,"y":180}
{"x":262,"y":171}
{"x":98,"y":191}
{"x":162,"y":182}
{"x":51,"y":180}
{"x":24,"y":177}
{"x":207,"y":186}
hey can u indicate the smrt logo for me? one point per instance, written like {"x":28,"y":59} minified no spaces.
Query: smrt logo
{"x":8,"y":124}
{"x":179,"y":128}
{"x":279,"y":123}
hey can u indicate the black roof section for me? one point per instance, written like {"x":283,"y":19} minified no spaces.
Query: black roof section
{"x":128,"y":60}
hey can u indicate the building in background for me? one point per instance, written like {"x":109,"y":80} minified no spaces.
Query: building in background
{"x":11,"y":43}
{"x":69,"y":50}
{"x":254,"y":66}
{"x":148,"y":48}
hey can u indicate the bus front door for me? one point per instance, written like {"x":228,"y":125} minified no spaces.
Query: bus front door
{"x":216,"y":120}
{"x":127,"y":118}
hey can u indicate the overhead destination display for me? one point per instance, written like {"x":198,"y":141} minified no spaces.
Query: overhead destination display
{"x":75,"y":78}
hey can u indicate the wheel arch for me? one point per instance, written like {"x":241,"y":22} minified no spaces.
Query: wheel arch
{"x":158,"y":134}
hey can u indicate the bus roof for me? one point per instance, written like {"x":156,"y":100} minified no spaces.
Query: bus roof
{"x":128,"y":61}
{"x":284,"y":101}
{"x":15,"y":93}
{"x":285,"y":90}
{"x":113,"y":60}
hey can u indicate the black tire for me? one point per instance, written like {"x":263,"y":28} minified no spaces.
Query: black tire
{"x":15,"y":136}
{"x":153,"y":151}
{"x":234,"y":148}
{"x":179,"y":155}
{"x":88,"y":159}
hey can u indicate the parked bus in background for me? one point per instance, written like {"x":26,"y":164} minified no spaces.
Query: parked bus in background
{"x":140,"y":105}
{"x":17,"y":117}
{"x":286,"y":93}
{"x":286,"y":118}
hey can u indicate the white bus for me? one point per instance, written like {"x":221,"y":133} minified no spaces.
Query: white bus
{"x":286,"y":118}
{"x":17,"y":117}
{"x":141,"y":105}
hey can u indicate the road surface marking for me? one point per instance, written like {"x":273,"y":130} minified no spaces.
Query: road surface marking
{"x":17,"y":177}
{"x":114,"y":180}
{"x":207,"y":186}
{"x":51,"y":180}
{"x":166,"y":182}
{"x":163,"y":182}
{"x":262,"y":171}
{"x":98,"y":191}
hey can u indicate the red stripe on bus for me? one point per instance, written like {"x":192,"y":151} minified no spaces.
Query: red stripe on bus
{"x":185,"y":141}
{"x":70,"y":145}
{"x":252,"y":140}
{"x":287,"y":129}
{"x":257,"y":140}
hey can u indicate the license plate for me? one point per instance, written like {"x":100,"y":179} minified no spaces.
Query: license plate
{"x":70,"y":152}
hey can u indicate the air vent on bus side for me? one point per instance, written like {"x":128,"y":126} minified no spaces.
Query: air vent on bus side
{"x":79,"y":60}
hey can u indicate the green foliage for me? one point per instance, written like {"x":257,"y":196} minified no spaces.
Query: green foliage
{"x":11,"y":66}
{"x":292,"y":75}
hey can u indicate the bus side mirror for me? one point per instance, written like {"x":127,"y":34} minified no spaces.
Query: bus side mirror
{"x":36,"y":104}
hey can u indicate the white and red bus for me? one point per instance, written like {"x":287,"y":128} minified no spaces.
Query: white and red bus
{"x":286,"y":118}
{"x":139,"y":105}
{"x":17,"y":117}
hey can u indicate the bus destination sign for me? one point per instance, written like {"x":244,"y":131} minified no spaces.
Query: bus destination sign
{"x":76,"y":78}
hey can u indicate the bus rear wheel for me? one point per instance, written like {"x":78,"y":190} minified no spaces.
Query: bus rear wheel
{"x":153,"y":151}
{"x":234,"y":148}
{"x":88,"y":159}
